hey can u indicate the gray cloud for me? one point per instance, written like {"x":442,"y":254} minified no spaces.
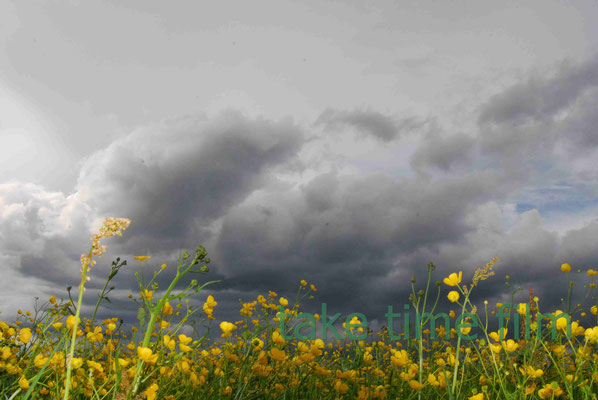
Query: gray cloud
{"x":531,"y":116}
{"x":541,"y":97}
{"x":444,"y":153}
{"x":184,"y":173}
{"x":367,"y":122}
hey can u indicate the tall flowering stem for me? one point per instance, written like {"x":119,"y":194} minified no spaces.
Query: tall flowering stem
{"x":182,"y":270}
{"x":111,"y":227}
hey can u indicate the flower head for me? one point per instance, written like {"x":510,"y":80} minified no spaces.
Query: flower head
{"x":227,"y":328}
{"x":453,"y":279}
{"x":453,"y":296}
{"x":565,"y":267}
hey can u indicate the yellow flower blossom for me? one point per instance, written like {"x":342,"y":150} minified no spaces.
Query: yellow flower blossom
{"x":144,"y":353}
{"x":415,"y":385}
{"x":453,"y":279}
{"x":227,"y":328}
{"x":23,"y":383}
{"x":453,"y":296}
{"x":167,"y":309}
{"x":277,"y":354}
{"x":277,"y":338}
{"x":25,"y":335}
{"x":548,"y":392}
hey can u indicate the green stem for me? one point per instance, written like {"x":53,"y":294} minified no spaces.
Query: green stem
{"x":458,"y":344}
{"x":150,"y":327}
{"x":93,"y":316}
{"x":75,"y":325}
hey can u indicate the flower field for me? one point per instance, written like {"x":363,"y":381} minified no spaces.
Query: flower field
{"x":54,"y":352}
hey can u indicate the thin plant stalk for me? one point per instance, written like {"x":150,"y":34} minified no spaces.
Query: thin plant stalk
{"x":67,"y":384}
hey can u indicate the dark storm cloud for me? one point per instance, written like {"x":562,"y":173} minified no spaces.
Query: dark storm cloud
{"x":373,"y":123}
{"x":343,"y":233}
{"x":170,"y":178}
{"x":530,"y":117}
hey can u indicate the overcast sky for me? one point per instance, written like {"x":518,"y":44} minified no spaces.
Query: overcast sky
{"x":344,"y":143}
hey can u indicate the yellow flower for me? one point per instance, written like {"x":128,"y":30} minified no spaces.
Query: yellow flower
{"x":591,"y":272}
{"x":313,"y":287}
{"x":548,"y":392}
{"x":23,"y":383}
{"x":496,"y":348}
{"x":150,"y":392}
{"x":142,"y":258}
{"x":453,"y":279}
{"x":303,"y":282}
{"x":591,"y":334}
{"x":340,"y":386}
{"x":25,"y":335}
{"x":594,"y":310}
{"x":227,"y":328}
{"x":148,"y":294}
{"x":169,"y":343}
{"x":167,"y":309}
{"x":144,"y":353}
{"x":52,"y":299}
{"x":531,"y":372}
{"x":76,"y":362}
{"x":95,"y":365}
{"x":283,"y":302}
{"x":40,"y":360}
{"x":277,"y":338}
{"x":511,"y":345}
{"x":70,"y":321}
{"x":522,"y":308}
{"x":278,"y":355}
{"x":453,"y":296}
{"x":565,"y":267}
{"x":258,"y":344}
{"x":479,"y":396}
{"x":400,"y":358}
{"x":561,"y":323}
{"x":415,"y":385}
{"x":163,"y":266}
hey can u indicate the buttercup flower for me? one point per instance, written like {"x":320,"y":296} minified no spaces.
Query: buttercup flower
{"x":453,"y":296}
{"x":227,"y":328}
{"x":453,"y":279}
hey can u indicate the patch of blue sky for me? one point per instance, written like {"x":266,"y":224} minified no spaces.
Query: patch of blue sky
{"x":557,"y":199}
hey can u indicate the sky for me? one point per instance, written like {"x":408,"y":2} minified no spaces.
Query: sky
{"x":343,"y":143}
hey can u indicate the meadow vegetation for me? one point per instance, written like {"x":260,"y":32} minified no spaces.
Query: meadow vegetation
{"x":55,"y":352}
